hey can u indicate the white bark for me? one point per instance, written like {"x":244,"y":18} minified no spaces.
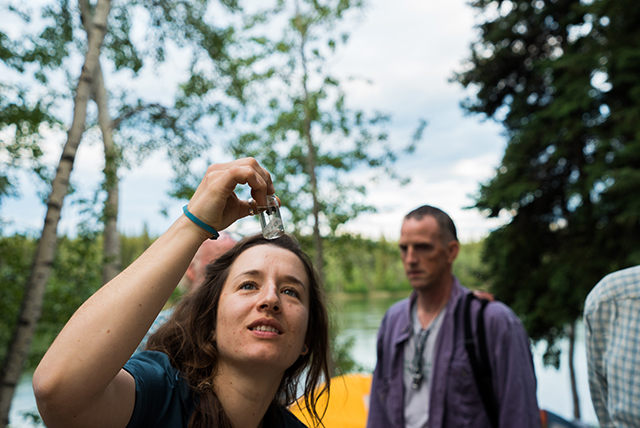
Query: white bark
{"x":111,"y":244}
{"x":31,"y":307}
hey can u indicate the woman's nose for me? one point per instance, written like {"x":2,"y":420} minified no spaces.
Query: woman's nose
{"x":270,"y":299}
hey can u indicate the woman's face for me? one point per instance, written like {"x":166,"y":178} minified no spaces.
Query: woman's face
{"x":263,"y":310}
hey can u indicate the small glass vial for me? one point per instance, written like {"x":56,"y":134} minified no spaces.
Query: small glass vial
{"x":271,"y":219}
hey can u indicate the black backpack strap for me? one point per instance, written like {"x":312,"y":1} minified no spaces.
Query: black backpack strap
{"x":481,"y":368}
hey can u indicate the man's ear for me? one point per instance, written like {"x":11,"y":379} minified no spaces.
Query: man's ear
{"x":453,"y":248}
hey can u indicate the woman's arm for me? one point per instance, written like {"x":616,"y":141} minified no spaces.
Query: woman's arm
{"x":80,"y":381}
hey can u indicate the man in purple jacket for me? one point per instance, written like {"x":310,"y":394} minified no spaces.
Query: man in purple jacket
{"x":423,"y":377}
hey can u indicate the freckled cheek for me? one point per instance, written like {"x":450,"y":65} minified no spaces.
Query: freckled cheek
{"x":232,"y":328}
{"x":229,"y":342}
{"x":301,"y":325}
{"x":230,"y":325}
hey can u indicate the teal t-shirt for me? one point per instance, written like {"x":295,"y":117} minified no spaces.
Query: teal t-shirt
{"x":164,"y":399}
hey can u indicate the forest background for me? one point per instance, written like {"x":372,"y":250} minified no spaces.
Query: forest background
{"x":355,"y":267}
{"x":559,"y":76}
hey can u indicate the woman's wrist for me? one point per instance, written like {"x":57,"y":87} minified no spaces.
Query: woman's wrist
{"x":208,"y":228}
{"x":187,"y":227}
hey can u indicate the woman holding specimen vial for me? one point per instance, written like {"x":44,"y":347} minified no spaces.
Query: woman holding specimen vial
{"x":232,"y":355}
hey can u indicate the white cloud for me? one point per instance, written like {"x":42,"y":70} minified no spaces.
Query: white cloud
{"x":479,"y":168}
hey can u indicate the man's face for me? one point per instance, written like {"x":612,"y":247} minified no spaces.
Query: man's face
{"x":427,"y":260}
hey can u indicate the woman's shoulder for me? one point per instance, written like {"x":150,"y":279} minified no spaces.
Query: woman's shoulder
{"x":154,"y":357}
{"x":151,"y":363}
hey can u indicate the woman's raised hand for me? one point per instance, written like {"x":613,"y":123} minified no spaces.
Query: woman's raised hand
{"x":215,"y":202}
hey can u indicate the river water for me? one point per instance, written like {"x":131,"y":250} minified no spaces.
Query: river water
{"x":359,"y":319}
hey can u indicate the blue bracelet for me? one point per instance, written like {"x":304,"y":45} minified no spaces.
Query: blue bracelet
{"x":200,"y":223}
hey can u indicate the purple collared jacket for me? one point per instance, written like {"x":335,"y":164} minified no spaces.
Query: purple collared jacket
{"x":455,"y":401}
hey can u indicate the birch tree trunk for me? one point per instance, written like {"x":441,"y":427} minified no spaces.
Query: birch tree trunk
{"x":111,"y":243}
{"x":111,"y":240}
{"x":31,"y":306}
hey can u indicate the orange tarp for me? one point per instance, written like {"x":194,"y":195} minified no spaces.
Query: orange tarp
{"x":348,"y":404}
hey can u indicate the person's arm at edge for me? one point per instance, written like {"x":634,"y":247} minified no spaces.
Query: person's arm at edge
{"x":80,"y":381}
{"x":597,"y":378}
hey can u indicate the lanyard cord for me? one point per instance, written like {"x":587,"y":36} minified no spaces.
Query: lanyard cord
{"x":421,"y":338}
{"x":416,"y":365}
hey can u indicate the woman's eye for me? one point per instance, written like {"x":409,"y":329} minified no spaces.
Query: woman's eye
{"x":291,"y":292}
{"x":247,"y":286}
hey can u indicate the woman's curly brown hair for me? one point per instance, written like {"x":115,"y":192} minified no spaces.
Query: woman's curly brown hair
{"x":187,"y":338}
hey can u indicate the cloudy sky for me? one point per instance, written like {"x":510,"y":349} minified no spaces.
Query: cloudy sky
{"x":409,"y":49}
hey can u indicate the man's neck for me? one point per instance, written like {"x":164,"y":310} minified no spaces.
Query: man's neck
{"x":430,"y":302}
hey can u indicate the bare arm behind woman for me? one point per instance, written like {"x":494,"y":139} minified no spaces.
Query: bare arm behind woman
{"x":80,"y":381}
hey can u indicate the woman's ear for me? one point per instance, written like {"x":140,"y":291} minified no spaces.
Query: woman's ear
{"x":305,"y":350}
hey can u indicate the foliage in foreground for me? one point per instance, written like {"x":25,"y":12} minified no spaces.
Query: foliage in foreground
{"x":76,"y":276}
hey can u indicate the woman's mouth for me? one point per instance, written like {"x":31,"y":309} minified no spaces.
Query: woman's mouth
{"x":265,"y":328}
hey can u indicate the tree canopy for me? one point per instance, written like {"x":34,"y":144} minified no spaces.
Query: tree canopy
{"x":560,"y":75}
